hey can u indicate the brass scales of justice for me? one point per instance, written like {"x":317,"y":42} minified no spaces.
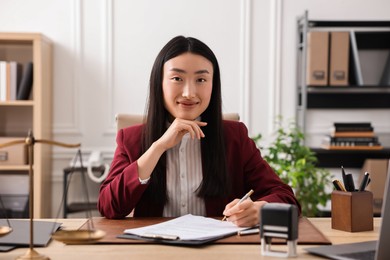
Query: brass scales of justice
{"x":65,"y":236}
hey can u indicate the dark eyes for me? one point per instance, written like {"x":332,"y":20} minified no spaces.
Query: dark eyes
{"x":176,"y":79}
{"x":201,"y":80}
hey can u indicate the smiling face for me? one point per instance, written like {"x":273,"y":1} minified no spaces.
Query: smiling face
{"x":187,"y":85}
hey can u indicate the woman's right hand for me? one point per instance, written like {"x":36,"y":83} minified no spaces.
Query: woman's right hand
{"x":169,"y":139}
{"x":178,"y":129}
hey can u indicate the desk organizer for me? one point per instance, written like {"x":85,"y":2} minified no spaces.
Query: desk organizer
{"x":352,"y":211}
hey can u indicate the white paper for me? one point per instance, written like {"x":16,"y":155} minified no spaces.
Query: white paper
{"x":189,"y":227}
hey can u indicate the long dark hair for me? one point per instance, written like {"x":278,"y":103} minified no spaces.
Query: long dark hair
{"x":216,"y":181}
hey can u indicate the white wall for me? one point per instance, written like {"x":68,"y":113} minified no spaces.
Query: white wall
{"x":104,"y":50}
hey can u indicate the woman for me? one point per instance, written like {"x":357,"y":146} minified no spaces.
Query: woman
{"x":185,"y":159}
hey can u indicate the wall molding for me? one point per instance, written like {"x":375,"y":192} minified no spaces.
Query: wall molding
{"x":108,"y":57}
{"x":275,"y":63}
{"x":245,"y":61}
{"x":73,"y":128}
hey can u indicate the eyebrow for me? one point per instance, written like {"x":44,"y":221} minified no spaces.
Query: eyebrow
{"x":197,"y":72}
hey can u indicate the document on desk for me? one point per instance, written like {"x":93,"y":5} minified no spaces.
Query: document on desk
{"x":188,"y":229}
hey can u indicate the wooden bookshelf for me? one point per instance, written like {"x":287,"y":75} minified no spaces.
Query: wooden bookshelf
{"x":17,"y":117}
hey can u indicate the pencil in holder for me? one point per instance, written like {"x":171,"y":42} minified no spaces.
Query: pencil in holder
{"x":352,"y":211}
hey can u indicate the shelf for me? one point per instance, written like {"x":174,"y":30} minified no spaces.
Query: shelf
{"x":346,"y":100}
{"x":349,"y":89}
{"x":349,"y":24}
{"x":14,"y":168}
{"x":369,"y":47}
{"x":348,"y":158}
{"x":17,"y":117}
{"x":17,"y":103}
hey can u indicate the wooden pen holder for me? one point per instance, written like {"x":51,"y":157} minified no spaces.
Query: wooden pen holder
{"x":352,"y":211}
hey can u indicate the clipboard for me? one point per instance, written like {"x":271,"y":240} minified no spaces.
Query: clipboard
{"x":185,"y":230}
{"x":178,"y":241}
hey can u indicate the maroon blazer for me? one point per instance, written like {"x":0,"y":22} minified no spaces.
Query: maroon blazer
{"x":121,"y":192}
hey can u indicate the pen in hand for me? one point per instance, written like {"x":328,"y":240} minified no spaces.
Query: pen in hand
{"x":240,"y":201}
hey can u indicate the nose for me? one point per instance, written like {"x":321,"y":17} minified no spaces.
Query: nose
{"x":189,"y":90}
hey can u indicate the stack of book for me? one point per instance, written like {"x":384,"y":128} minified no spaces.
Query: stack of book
{"x":352,"y":136}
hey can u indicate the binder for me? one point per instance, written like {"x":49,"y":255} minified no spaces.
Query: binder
{"x":356,"y":60}
{"x":339,"y":58}
{"x":26,"y":82}
{"x":3,"y":80}
{"x":15,"y":77}
{"x":385,"y":79}
{"x":317,"y":58}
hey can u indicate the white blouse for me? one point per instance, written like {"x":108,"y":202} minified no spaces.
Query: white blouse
{"x":184,"y":175}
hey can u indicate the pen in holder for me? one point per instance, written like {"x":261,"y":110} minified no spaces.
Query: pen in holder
{"x":352,"y":211}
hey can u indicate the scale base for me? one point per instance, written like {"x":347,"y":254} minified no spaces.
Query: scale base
{"x":32,"y":255}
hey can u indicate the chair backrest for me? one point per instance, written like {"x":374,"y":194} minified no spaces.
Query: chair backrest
{"x":126,"y":120}
{"x":231,"y":116}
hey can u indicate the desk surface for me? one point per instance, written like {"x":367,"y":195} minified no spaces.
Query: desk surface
{"x":58,"y":250}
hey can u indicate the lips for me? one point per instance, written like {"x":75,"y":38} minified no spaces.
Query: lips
{"x":187,"y":103}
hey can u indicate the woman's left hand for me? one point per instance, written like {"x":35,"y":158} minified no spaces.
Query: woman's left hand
{"x":245,"y":214}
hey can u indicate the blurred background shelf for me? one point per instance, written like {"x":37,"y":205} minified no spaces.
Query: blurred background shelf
{"x":347,"y":158}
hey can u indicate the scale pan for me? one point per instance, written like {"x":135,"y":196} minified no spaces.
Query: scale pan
{"x":5,"y":230}
{"x":74,"y":237}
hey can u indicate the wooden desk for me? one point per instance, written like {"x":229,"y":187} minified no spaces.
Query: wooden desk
{"x":57,"y":250}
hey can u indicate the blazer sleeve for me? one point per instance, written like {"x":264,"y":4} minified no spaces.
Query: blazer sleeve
{"x":256,"y":172}
{"x":121,"y":190}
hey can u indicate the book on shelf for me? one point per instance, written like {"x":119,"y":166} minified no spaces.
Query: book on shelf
{"x":353,"y":127}
{"x":353,"y":134}
{"x":361,"y":139}
{"x":10,"y":74}
{"x":14,"y":75}
{"x":352,"y":124}
{"x":26,"y":82}
{"x":350,"y":143}
{"x":385,"y":78}
{"x":356,"y":59}
{"x":351,"y":148}
{"x":3,"y":80}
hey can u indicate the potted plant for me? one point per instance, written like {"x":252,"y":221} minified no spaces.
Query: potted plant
{"x":295,"y":164}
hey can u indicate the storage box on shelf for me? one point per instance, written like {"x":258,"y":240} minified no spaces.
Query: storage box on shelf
{"x":18,"y":116}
